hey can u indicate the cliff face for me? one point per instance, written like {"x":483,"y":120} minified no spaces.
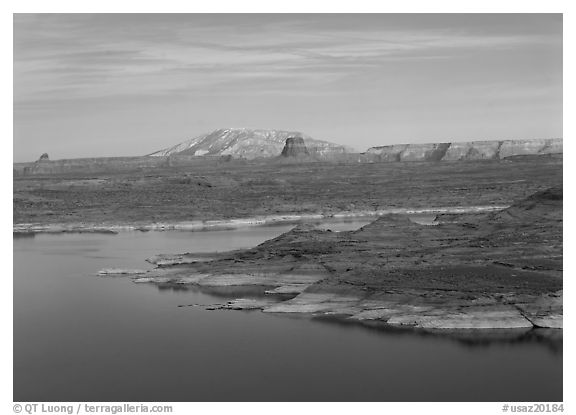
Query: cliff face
{"x":294,"y":147}
{"x":474,"y":150}
{"x":228,"y":145}
{"x":248,"y":144}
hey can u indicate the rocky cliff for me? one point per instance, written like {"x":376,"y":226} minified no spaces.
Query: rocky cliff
{"x":236,"y":146}
{"x":115,"y":164}
{"x":249,"y":144}
{"x":294,"y":147}
{"x":473,"y":150}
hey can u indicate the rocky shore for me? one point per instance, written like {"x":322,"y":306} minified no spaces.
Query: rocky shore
{"x":481,"y":270}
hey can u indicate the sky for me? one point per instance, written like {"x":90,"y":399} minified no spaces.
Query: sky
{"x":92,"y":85}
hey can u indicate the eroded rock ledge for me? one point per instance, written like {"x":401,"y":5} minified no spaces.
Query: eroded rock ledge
{"x":472,"y":150}
{"x":495,"y":270}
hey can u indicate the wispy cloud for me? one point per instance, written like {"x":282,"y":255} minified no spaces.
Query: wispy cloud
{"x":90,"y":56}
{"x":101,"y":84}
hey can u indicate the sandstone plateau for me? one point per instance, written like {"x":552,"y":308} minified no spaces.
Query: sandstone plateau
{"x":497,"y":270}
{"x":207,"y":192}
{"x":473,"y":150}
{"x":270,"y":146}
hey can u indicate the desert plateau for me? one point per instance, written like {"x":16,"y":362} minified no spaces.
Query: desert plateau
{"x":288,"y":207}
{"x":490,"y":257}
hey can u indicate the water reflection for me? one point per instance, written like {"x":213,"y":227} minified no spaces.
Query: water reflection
{"x":229,"y":293}
{"x":551,"y":339}
{"x":26,"y":235}
{"x":80,"y":337}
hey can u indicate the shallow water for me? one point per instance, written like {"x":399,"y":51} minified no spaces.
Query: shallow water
{"x":80,"y":337}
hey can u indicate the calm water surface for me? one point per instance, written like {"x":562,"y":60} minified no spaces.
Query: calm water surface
{"x":81,"y":337}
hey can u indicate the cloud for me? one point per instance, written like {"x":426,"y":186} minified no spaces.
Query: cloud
{"x":63,"y":57}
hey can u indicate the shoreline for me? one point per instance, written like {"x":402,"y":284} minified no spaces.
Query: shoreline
{"x":230,"y":224}
{"x":297,"y":294}
{"x":486,"y":271}
{"x":340,"y":314}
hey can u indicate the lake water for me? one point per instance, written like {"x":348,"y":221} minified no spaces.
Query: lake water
{"x":80,"y":337}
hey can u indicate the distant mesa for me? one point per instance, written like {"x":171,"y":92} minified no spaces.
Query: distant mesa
{"x":472,"y":150}
{"x":39,"y":166}
{"x":294,"y":147}
{"x":242,"y":143}
{"x":249,"y":144}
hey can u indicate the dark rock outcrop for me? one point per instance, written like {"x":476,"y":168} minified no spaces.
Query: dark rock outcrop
{"x":294,"y":147}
